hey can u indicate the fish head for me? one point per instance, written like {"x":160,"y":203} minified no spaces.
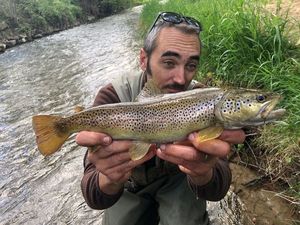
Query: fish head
{"x":238,"y":108}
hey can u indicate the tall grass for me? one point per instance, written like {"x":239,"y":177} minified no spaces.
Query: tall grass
{"x":246,"y":46}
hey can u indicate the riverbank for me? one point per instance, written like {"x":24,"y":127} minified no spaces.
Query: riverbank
{"x":26,"y":20}
{"x":263,"y":201}
{"x":10,"y":37}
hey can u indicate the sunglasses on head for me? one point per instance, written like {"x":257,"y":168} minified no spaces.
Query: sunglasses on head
{"x":176,"y":18}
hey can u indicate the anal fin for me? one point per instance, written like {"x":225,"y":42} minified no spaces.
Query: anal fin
{"x":209,"y":133}
{"x":139,"y":150}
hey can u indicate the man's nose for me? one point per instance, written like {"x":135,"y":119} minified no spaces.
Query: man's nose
{"x":179,"y":76}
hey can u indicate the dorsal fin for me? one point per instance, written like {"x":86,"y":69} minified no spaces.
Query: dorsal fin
{"x":78,"y":109}
{"x":150,"y":90}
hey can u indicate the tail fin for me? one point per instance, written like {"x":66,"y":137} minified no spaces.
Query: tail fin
{"x":49,"y":136}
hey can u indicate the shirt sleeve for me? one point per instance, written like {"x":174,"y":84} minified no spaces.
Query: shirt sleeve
{"x":218,"y":186}
{"x":92,"y":194}
{"x":106,"y":95}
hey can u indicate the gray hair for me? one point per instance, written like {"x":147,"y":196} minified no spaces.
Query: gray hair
{"x":150,"y":42}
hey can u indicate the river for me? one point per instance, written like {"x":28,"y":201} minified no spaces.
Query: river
{"x":53,"y":75}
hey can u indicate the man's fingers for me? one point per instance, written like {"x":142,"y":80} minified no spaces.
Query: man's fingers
{"x":127,"y":165}
{"x":187,"y":151}
{"x":181,"y":152}
{"x":187,"y":171}
{"x":124,"y":158}
{"x":116,"y":147}
{"x":115,"y":160}
{"x":233,"y":136}
{"x":89,"y":138}
{"x":215,"y":147}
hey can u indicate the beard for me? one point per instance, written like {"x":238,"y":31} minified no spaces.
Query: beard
{"x":148,"y":68}
{"x":175,"y":86}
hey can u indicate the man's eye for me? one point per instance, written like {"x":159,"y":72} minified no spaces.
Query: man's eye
{"x":191,"y":67}
{"x":169,"y":64}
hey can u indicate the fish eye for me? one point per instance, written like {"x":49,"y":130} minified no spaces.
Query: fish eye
{"x":260,"y":98}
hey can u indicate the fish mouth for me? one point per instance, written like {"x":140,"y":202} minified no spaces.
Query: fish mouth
{"x":278,"y":113}
{"x":268,"y":113}
{"x":268,"y":107}
{"x":270,"y":116}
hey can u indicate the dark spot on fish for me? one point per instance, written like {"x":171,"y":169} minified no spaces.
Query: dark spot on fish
{"x":61,"y":126}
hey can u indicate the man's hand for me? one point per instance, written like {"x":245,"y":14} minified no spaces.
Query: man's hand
{"x":198,"y":159}
{"x":111,"y":159}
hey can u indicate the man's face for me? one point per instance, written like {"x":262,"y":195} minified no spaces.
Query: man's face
{"x":174,"y":61}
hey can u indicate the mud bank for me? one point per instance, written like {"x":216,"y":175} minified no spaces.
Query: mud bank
{"x":262,"y":200}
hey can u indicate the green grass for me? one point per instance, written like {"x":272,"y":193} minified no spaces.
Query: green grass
{"x":246,"y":46}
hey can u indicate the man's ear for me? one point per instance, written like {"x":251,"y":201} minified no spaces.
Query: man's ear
{"x":143,"y":59}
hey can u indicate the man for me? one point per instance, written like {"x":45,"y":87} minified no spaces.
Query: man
{"x":171,"y":184}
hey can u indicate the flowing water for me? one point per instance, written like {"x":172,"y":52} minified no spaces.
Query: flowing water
{"x":53,"y":75}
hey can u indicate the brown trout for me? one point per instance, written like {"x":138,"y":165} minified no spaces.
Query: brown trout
{"x":162,"y":118}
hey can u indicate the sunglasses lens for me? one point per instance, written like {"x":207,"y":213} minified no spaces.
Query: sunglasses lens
{"x":171,"y":17}
{"x":191,"y":21}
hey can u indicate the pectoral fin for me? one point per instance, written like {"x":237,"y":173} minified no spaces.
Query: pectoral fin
{"x":139,"y":150}
{"x":209,"y":133}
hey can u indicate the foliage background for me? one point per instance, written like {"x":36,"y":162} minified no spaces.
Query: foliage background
{"x":245,"y":45}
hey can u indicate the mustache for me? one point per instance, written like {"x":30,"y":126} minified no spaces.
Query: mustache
{"x":176,"y":86}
